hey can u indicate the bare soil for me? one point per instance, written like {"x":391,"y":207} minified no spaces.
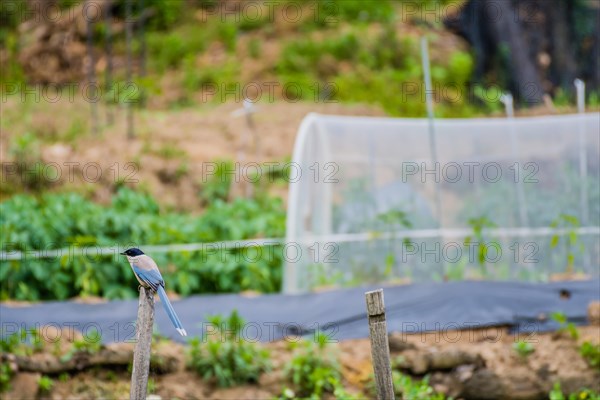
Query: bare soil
{"x":169,"y":155}
{"x":464,"y":364}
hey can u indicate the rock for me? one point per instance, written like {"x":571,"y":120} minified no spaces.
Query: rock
{"x":399,"y":344}
{"x":464,"y":372}
{"x":167,"y":357}
{"x":11,"y":360}
{"x":112,"y":355}
{"x":571,"y":384}
{"x":23,"y":386}
{"x":445,"y":383}
{"x":543,"y":372}
{"x":415,"y":361}
{"x":593,"y":313}
{"x":449,"y":359}
{"x":420,"y":362}
{"x":487,"y":385}
{"x":523,"y":387}
{"x":484,"y":385}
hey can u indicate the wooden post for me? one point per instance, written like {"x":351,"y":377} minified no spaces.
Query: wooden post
{"x":380,"y":348}
{"x":141,"y":355}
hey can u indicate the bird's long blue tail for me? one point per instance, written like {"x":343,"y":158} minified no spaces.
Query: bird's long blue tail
{"x":170,"y":311}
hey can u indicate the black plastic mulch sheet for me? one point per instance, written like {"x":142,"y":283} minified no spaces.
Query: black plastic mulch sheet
{"x":340,"y":314}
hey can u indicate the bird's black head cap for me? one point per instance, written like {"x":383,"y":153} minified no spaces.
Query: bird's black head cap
{"x":133,"y":252}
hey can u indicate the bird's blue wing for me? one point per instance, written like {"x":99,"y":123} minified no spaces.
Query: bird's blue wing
{"x":152,"y":277}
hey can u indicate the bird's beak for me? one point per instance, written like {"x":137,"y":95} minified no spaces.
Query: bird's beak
{"x":123,"y":254}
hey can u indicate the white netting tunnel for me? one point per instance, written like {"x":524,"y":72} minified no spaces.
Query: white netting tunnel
{"x":400,"y":200}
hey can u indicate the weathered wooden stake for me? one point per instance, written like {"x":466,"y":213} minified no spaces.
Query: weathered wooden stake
{"x":380,"y":348}
{"x":141,"y":355}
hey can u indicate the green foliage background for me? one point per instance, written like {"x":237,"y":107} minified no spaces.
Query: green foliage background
{"x":55,"y":221}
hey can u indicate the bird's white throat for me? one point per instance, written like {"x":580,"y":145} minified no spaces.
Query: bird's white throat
{"x":132,"y":259}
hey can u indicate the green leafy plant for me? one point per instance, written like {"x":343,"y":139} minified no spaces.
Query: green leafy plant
{"x":217,"y":185}
{"x":392,"y":220}
{"x":151,"y":388}
{"x":23,"y":342}
{"x":169,"y":151}
{"x":170,"y":49}
{"x":314,"y":370}
{"x":591,"y":353}
{"x":351,"y":11}
{"x":226,"y":357}
{"x":565,"y":325}
{"x":45,"y":384}
{"x":409,"y":388}
{"x":254,"y":48}
{"x":478,"y":240}
{"x":572,"y":241}
{"x":523,"y":349}
{"x":227,"y":33}
{"x":32,"y":173}
{"x":90,"y":343}
{"x":406,"y":387}
{"x":10,"y":343}
{"x":584,"y":394}
{"x":594,"y":99}
{"x":6,"y":374}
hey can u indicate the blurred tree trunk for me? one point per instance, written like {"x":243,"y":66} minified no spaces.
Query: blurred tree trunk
{"x":510,"y":40}
{"x":532,"y":47}
{"x":593,"y":72}
{"x":563,"y":64}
